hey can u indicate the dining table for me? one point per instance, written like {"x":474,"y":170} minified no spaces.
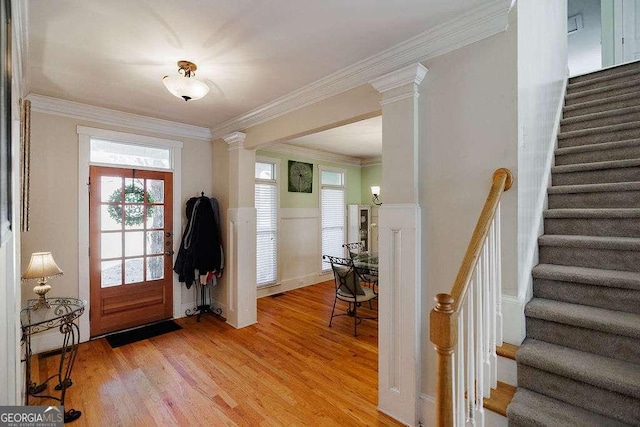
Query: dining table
{"x":366,"y":266}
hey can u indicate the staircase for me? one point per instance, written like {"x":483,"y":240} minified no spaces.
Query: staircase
{"x":580,"y":362}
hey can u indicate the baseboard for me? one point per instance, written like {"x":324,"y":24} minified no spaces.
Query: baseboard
{"x":427,"y":410}
{"x":513,"y":321}
{"x":295,"y":283}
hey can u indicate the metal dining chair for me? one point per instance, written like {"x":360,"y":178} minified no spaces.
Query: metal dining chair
{"x":348,"y":289}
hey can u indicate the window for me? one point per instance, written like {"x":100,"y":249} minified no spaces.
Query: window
{"x":118,"y":153}
{"x":332,"y":205}
{"x":266,"y":223}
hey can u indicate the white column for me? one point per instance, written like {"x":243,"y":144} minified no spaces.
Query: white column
{"x":241,"y":235}
{"x":399,"y":349}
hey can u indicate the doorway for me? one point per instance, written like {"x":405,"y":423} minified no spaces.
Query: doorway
{"x":130,"y":247}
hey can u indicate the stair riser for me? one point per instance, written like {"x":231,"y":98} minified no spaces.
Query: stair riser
{"x":610,"y":199}
{"x":629,"y":152}
{"x":597,"y":342}
{"x":608,"y":106}
{"x":570,"y":100}
{"x":597,"y":138}
{"x":627,"y":300}
{"x":591,"y":258}
{"x":588,"y":124}
{"x":613,"y":80}
{"x":615,"y":405}
{"x":602,"y":73}
{"x":599,"y":176}
{"x":611,"y":227}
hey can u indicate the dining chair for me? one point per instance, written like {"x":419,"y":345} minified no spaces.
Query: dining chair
{"x":348,"y":289}
{"x":353,"y":248}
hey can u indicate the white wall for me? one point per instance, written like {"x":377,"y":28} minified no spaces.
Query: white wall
{"x":585,"y":49}
{"x":468,"y":129}
{"x":54,"y":200}
{"x":542,"y":73}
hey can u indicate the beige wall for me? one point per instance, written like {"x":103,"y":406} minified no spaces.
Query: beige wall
{"x":468,"y":127}
{"x":54,"y":193}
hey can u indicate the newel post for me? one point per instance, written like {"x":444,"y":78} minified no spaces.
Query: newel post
{"x":444,"y":335}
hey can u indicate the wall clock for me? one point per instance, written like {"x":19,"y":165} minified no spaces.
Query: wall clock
{"x":300,"y":177}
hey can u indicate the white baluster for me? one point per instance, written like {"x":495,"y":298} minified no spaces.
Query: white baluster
{"x":460,"y":404}
{"x":498,"y":278}
{"x":486,"y":319}
{"x":470,"y":347}
{"x":494,"y":306}
{"x":479,"y":353}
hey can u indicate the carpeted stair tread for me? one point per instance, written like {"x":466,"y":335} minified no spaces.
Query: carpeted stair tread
{"x":589,"y":276}
{"x":528,"y":408}
{"x":599,"y":371}
{"x":597,"y":147}
{"x":609,"y":72}
{"x":606,"y":101}
{"x":599,"y":130}
{"x":592,"y":213}
{"x":583,"y":167}
{"x":600,"y":319}
{"x":592,"y":242}
{"x":602,"y":90}
{"x":600,"y":79}
{"x":600,"y":115}
{"x":595,"y":188}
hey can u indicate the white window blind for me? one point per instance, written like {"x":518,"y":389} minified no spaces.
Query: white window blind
{"x":333,"y":223}
{"x":267,"y":232}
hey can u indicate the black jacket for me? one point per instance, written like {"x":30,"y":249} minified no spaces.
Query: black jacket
{"x":200,"y":248}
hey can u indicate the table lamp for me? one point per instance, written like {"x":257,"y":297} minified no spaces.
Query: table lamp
{"x":41,"y":266}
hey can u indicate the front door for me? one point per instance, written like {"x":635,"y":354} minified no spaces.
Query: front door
{"x":131,"y":241}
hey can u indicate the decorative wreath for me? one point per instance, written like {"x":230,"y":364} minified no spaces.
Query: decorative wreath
{"x":135,"y":213}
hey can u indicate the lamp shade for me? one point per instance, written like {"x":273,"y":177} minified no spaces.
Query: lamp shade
{"x":40,"y":266}
{"x":375,"y":190}
{"x":185,"y":87}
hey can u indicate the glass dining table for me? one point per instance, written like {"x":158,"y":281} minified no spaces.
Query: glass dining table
{"x":366,"y":266}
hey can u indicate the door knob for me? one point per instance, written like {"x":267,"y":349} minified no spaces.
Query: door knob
{"x":168,"y":253}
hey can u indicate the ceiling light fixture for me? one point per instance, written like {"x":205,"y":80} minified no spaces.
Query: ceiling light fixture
{"x":186,"y":86}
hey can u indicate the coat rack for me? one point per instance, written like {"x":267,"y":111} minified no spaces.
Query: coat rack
{"x":204,"y":305}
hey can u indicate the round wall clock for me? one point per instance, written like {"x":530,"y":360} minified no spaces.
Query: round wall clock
{"x":300,"y":177}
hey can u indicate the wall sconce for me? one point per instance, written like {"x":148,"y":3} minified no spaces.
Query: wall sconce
{"x":375,"y":192}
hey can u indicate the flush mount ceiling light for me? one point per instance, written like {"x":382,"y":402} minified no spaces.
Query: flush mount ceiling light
{"x":186,"y":86}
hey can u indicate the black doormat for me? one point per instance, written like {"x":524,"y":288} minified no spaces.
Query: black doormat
{"x":139,"y":334}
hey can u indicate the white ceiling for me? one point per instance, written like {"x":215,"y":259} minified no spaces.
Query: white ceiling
{"x":114,"y":53}
{"x":361,"y":139}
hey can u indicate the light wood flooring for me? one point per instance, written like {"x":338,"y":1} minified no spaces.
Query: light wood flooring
{"x":290,"y":369}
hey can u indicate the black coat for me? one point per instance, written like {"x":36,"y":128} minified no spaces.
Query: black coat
{"x":200,"y":248}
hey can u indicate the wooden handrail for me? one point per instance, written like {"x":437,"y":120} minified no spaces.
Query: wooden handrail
{"x":502,"y":181}
{"x":444,"y":316}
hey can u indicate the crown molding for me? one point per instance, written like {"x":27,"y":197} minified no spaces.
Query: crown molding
{"x":310,"y":153}
{"x":482,"y":22}
{"x":371,"y":161}
{"x":413,"y":73}
{"x":235,"y":140}
{"x":107,"y":116}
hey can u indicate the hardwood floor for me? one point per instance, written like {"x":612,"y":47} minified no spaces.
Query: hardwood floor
{"x":289,"y":369}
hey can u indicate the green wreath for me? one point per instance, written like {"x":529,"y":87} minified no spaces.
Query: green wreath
{"x":135,"y":213}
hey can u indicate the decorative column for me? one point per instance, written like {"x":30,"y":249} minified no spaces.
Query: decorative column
{"x":241,"y":234}
{"x":399,"y":346}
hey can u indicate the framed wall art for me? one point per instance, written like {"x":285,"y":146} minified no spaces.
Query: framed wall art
{"x":300,"y":177}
